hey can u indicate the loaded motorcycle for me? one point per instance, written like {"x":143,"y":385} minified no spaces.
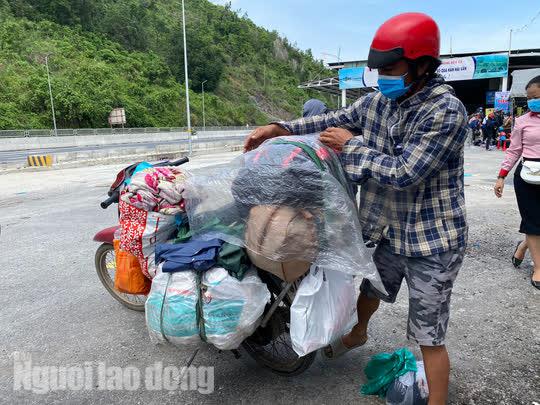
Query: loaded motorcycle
{"x":270,"y":345}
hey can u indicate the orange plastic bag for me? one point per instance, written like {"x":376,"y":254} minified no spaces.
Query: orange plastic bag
{"x":129,"y":277}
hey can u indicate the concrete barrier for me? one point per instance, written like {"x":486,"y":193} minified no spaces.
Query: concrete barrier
{"x":50,"y":142}
{"x":200,"y":146}
{"x":39,"y":160}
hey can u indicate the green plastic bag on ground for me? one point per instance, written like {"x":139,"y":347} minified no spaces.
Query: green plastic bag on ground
{"x":383,"y":368}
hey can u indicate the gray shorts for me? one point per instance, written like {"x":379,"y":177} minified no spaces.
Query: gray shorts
{"x":430,"y":280}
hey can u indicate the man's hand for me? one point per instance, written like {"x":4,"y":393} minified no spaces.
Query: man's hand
{"x":261,"y":134}
{"x":499,"y":187}
{"x":335,"y":138}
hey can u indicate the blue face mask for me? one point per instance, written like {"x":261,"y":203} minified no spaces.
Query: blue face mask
{"x":534,"y":105}
{"x":393,"y":87}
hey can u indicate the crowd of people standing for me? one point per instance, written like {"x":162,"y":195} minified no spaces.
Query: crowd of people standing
{"x":493,"y":128}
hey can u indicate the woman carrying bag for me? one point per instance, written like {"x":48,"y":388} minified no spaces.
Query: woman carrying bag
{"x":525,"y":148}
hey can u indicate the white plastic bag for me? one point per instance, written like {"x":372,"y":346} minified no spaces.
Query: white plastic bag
{"x":232,"y":308}
{"x":323,"y":309}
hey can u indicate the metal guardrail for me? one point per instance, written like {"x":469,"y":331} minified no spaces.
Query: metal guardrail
{"x":26,"y":133}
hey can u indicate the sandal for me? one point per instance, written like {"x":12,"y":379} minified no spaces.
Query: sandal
{"x":535,"y":283}
{"x":337,"y":348}
{"x":515,"y":261}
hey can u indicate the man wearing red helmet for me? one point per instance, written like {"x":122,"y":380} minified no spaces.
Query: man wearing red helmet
{"x":409,"y":163}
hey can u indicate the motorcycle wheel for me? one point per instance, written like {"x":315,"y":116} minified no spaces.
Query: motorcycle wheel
{"x":105,"y":262}
{"x":271,"y":347}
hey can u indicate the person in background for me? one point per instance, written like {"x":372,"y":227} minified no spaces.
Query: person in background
{"x":502,"y":139}
{"x":314,"y":107}
{"x":475,"y":123}
{"x":525,"y":145}
{"x":507,"y":124}
{"x":489,"y":130}
{"x":410,"y":167}
{"x":480,"y":112}
{"x":499,"y":118}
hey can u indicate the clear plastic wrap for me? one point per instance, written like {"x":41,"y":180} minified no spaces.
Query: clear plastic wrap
{"x":261,"y":199}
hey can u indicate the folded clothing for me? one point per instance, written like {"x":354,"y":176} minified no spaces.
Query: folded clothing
{"x":192,"y":255}
{"x":189,"y":252}
{"x":157,"y":189}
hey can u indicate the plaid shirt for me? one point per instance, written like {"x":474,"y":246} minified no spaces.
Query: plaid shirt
{"x":409,"y":162}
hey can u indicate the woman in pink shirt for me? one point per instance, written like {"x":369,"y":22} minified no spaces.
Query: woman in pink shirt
{"x":525,"y":145}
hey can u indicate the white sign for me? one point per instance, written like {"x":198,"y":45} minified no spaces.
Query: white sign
{"x":117,"y":117}
{"x":457,"y":69}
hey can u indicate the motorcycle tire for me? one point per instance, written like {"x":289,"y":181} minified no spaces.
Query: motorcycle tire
{"x":104,"y":262}
{"x":265,"y":344}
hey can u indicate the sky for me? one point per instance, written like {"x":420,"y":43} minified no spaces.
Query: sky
{"x":347,"y":27}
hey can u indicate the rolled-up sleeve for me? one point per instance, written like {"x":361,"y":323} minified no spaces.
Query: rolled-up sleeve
{"x":431,"y":145}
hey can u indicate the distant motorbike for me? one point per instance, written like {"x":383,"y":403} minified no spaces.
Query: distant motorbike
{"x":270,"y":345}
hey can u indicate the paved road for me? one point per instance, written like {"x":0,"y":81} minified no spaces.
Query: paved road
{"x":13,"y":156}
{"x":53,"y":306}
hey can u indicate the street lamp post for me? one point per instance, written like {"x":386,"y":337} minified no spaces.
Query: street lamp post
{"x":506,"y":79}
{"x":186,"y":80}
{"x":50,"y":94}
{"x":203,"y":112}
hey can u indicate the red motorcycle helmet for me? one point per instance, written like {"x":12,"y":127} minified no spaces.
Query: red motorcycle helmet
{"x":408,"y":35}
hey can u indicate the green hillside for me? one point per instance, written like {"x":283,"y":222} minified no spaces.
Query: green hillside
{"x":129,"y":53}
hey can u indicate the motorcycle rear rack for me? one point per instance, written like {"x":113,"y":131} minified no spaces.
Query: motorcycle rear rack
{"x":276,"y":303}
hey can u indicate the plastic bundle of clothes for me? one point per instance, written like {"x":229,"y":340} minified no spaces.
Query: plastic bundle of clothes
{"x":190,"y":307}
{"x":156,"y":189}
{"x":287,"y":202}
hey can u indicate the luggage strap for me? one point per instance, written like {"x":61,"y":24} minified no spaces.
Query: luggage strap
{"x":199,"y":307}
{"x":308,"y":150}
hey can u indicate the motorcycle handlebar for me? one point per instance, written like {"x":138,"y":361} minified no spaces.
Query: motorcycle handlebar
{"x":111,"y":200}
{"x":179,"y":162}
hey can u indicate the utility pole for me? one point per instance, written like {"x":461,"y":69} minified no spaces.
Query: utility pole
{"x":203,"y":113}
{"x":50,"y":94}
{"x":506,"y":80}
{"x":188,"y":112}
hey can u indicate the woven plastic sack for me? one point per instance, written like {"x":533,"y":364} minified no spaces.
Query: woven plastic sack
{"x":232,"y":309}
{"x":171,"y":309}
{"x":229,"y":312}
